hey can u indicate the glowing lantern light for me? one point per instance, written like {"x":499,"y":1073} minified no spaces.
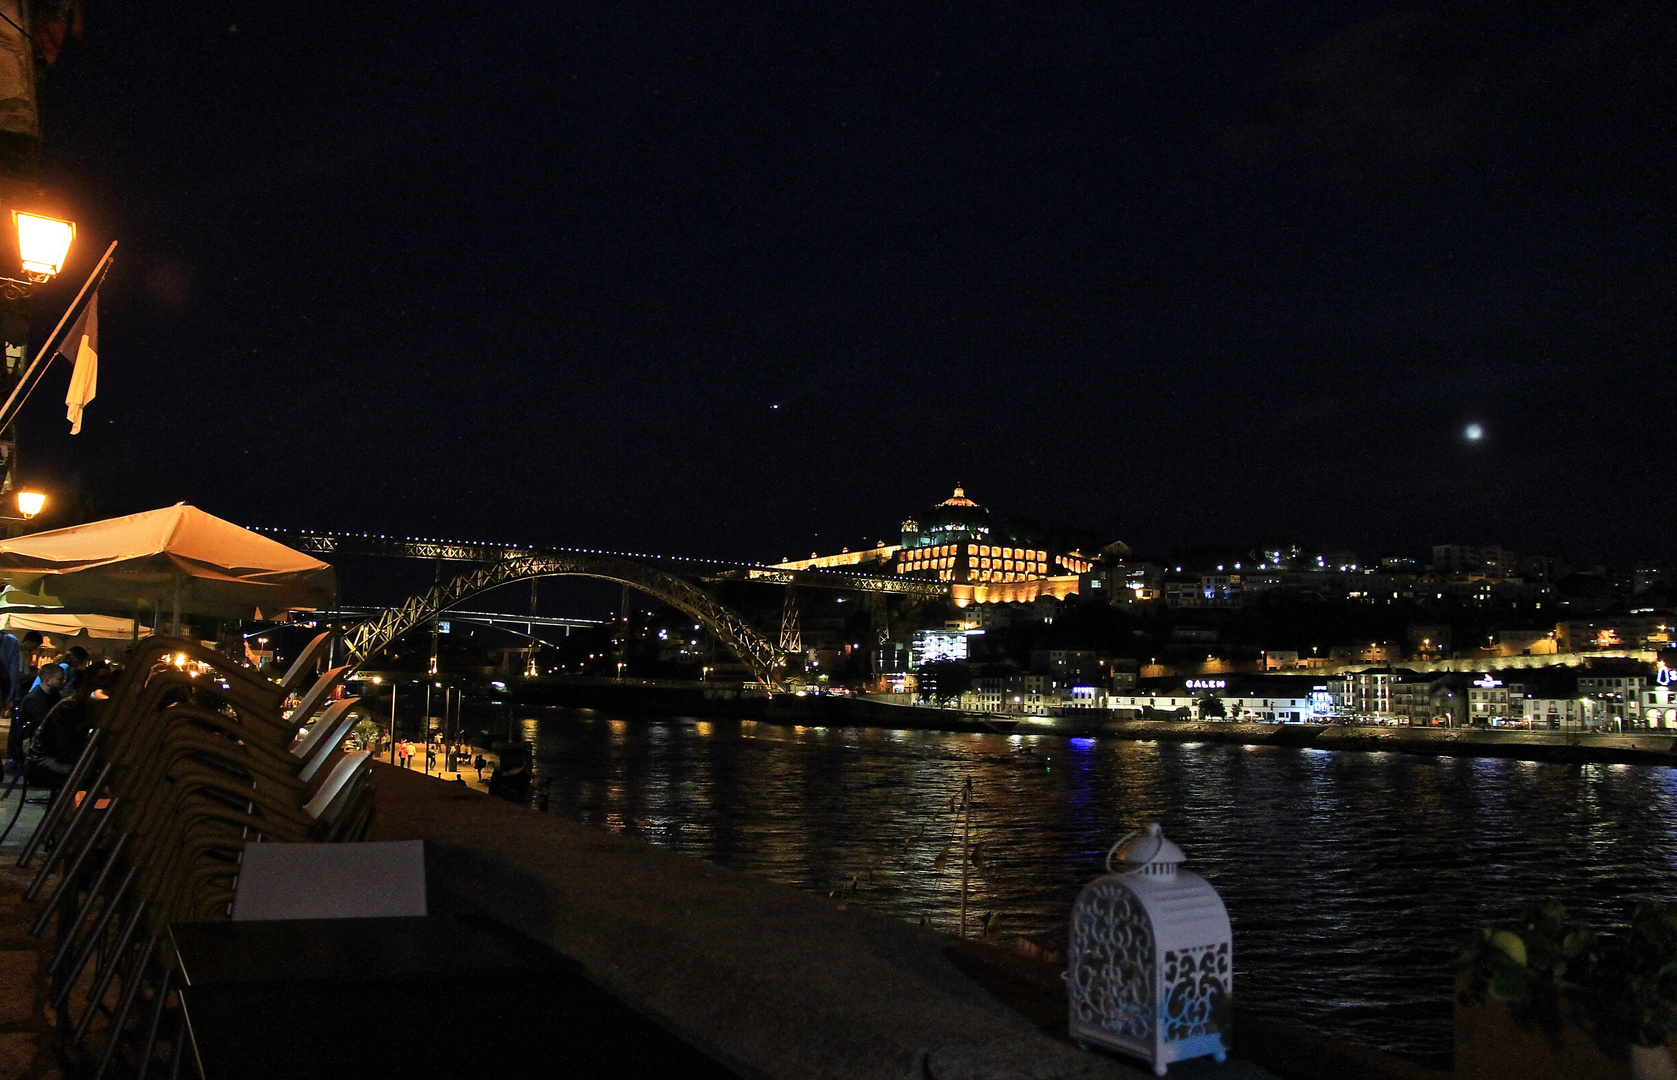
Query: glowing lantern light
{"x":42,"y":243}
{"x":29,"y":503}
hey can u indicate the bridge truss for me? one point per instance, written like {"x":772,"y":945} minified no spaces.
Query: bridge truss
{"x":664,"y":578}
{"x":761,"y":656}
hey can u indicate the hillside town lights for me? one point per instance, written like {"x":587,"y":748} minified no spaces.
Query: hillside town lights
{"x":1151,"y":958}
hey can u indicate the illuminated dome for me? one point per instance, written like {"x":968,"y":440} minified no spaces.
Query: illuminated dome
{"x":958,"y":499}
{"x":953,"y":520}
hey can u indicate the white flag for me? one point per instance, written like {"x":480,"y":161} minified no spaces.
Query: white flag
{"x":84,"y":381}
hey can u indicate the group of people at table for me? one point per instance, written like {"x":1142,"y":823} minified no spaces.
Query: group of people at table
{"x":46,"y":705}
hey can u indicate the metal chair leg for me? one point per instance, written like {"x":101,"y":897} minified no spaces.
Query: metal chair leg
{"x":76,"y":819}
{"x":65,"y":793}
{"x":136,"y":977}
{"x":102,"y":981}
{"x":67,"y":880}
{"x":93,"y":938}
{"x":94,"y":892}
{"x":22,"y":801}
{"x":182,"y":1035}
{"x":151,"y":1029}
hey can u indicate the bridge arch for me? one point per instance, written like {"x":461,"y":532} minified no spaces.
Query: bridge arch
{"x":759,"y":655}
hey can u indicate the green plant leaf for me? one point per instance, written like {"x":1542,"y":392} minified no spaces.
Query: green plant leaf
{"x":1510,"y":986}
{"x":1510,"y":945}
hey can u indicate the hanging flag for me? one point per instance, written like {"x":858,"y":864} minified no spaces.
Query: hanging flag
{"x":68,"y":345}
{"x":82,"y":345}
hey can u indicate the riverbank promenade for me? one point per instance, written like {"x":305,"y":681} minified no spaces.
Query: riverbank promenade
{"x":476,"y":779}
{"x":635,"y":697}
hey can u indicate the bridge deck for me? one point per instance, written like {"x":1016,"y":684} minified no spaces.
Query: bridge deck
{"x":341,"y":543}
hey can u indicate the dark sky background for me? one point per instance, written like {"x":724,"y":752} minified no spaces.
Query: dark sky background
{"x":1178,"y":272}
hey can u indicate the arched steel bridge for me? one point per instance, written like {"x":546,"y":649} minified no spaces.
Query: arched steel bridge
{"x":500,"y":565}
{"x":758,"y":654}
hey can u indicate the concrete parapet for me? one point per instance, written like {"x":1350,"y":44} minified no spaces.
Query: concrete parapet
{"x":771,"y":981}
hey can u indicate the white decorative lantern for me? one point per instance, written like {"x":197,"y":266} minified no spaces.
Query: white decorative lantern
{"x":1152,"y":964}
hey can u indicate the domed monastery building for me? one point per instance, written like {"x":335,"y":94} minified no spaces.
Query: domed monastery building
{"x":956,"y":541}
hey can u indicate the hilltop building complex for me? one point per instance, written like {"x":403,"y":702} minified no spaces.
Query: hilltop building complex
{"x":957,"y":541}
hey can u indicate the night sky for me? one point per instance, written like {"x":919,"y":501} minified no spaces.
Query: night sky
{"x":761,"y":279}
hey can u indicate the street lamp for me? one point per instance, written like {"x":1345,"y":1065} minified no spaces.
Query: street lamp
{"x":42,"y":245}
{"x":28,"y":503}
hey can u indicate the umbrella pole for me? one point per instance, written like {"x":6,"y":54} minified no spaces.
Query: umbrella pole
{"x":175,"y":620}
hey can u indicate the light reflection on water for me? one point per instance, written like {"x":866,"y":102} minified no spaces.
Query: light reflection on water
{"x":1348,"y":876}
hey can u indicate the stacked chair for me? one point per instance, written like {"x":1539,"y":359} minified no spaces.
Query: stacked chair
{"x":180,"y":772}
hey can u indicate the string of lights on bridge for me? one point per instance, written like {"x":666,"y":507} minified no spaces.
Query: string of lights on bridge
{"x":530,"y":548}
{"x":333,"y":535}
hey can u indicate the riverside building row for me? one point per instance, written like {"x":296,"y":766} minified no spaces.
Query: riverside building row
{"x":1543,"y":699}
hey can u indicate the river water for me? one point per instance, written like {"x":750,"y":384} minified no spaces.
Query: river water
{"x":1349,"y":877}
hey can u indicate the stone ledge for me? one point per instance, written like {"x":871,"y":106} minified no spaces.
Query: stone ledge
{"x":769,"y":980}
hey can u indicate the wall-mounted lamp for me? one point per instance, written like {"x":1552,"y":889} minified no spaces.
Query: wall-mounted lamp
{"x":43,"y":243}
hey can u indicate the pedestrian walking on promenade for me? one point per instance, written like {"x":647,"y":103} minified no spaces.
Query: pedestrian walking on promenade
{"x":478,"y":762}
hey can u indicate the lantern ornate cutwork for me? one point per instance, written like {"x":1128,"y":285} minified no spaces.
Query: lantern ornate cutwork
{"x":1151,"y":960}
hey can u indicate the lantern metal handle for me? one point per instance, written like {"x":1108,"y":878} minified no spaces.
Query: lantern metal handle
{"x":1152,"y":830}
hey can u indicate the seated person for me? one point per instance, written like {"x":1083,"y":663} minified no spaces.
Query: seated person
{"x":76,"y":662}
{"x":49,"y":688}
{"x":63,"y":732}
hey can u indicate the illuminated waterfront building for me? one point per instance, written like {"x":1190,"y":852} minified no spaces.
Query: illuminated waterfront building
{"x":1618,"y":697}
{"x":1659,"y":702}
{"x":933,"y":645}
{"x":1012,"y":692}
{"x":1272,"y":699}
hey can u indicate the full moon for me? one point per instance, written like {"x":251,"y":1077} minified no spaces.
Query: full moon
{"x":1474,"y":433}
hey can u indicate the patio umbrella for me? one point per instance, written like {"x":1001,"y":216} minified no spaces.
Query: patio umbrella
{"x":94,"y":626}
{"x":178,"y":559}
